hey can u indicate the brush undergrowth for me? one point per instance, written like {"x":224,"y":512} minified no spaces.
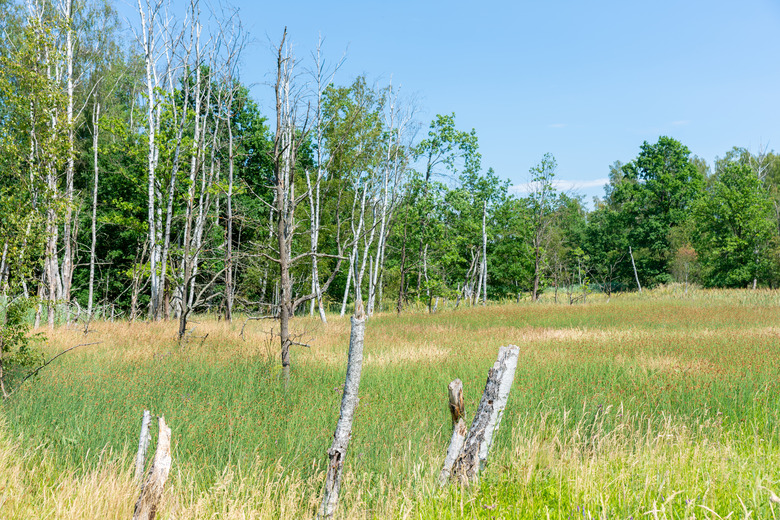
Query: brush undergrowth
{"x":660,"y":405}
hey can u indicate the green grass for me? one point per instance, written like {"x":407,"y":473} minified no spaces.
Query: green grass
{"x":661,"y":405}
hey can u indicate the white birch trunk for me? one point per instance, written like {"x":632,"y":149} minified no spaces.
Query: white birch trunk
{"x":487,"y":420}
{"x":636,"y":275}
{"x":149,"y":47}
{"x":67,"y":260}
{"x":484,"y":253}
{"x":143,"y":444}
{"x":349,"y":401}
{"x":95,"y":135}
{"x":152,"y":489}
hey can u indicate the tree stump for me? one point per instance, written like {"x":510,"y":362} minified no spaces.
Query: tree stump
{"x":473,"y":452}
{"x":152,"y":489}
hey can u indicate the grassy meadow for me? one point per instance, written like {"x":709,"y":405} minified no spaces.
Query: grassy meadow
{"x":660,"y":405}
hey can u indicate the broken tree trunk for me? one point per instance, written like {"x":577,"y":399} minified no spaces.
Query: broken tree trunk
{"x":349,"y":401}
{"x":476,"y":445}
{"x":143,"y":445}
{"x":455,"y":391}
{"x":152,"y":489}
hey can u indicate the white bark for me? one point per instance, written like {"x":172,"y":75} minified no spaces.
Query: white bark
{"x":477,"y":443}
{"x":356,"y":232}
{"x":484,"y":253}
{"x":152,"y":489}
{"x":143,"y":444}
{"x":636,"y":275}
{"x":349,"y":401}
{"x":459,"y":430}
{"x":149,"y":44}
{"x":67,"y":260}
{"x":95,"y":135}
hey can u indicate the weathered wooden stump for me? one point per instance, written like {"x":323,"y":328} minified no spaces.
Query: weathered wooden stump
{"x":143,"y":445}
{"x":468,"y":452}
{"x":152,"y":489}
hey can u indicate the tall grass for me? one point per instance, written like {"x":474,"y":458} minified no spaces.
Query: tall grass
{"x":661,"y":405}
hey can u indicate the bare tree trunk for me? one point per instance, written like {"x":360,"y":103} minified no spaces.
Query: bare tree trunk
{"x":229,"y":291}
{"x":457,"y":409}
{"x":399,"y":306}
{"x":484,"y":252}
{"x":4,"y":269}
{"x":51,"y":255}
{"x":95,"y":134}
{"x":152,"y":489}
{"x":338,"y":450}
{"x":143,"y":445}
{"x":477,"y":444}
{"x":68,"y":233}
{"x":353,"y":257}
{"x":149,"y":46}
{"x":284,"y":162}
{"x":636,"y":275}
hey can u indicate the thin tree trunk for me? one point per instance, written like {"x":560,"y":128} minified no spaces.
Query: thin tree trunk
{"x":95,"y":134}
{"x":229,"y":225}
{"x":149,"y":46}
{"x":152,"y":489}
{"x":636,"y":275}
{"x":484,"y":253}
{"x":349,"y":401}
{"x":68,"y":233}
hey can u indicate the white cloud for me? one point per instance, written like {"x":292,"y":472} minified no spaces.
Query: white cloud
{"x":682,"y":122}
{"x":557,"y":125}
{"x":563,"y":185}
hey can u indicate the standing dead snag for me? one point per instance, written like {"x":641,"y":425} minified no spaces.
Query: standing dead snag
{"x":471,"y":457}
{"x":143,"y":445}
{"x":349,"y":401}
{"x":457,"y":408}
{"x":152,"y":489}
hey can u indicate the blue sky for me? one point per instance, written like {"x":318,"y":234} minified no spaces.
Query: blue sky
{"x":586,"y":81}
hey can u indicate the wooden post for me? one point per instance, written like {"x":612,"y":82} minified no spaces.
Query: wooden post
{"x":476,"y":446}
{"x":349,"y":401}
{"x":143,"y":445}
{"x":152,"y":489}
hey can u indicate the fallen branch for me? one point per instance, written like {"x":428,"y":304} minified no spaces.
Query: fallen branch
{"x":28,"y":376}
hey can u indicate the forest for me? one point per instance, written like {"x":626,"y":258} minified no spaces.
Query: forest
{"x":142,"y":180}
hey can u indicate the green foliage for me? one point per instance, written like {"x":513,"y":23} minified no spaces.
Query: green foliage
{"x":734,"y":227}
{"x":17,"y":347}
{"x":657,"y":192}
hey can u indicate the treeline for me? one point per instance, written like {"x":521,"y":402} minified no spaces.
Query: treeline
{"x":141,"y":176}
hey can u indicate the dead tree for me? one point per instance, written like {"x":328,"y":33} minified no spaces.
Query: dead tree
{"x":152,"y":489}
{"x":143,"y":444}
{"x":473,"y":452}
{"x":457,"y":409}
{"x":349,"y":401}
{"x":288,"y":138}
